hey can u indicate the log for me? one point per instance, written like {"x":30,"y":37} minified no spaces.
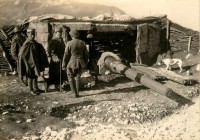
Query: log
{"x":170,"y":75}
{"x":153,"y":75}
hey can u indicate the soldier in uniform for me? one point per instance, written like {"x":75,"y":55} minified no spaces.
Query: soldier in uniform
{"x":32,"y":61}
{"x":75,"y":60}
{"x":56,"y":49}
{"x":16,"y":44}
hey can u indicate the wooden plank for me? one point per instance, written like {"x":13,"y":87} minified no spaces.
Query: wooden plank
{"x":5,"y":47}
{"x":76,"y":25}
{"x":111,"y":27}
{"x":147,"y":72}
{"x":170,"y":75}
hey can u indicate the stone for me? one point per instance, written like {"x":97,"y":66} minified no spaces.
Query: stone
{"x":48,"y":128}
{"x":89,"y":106}
{"x":138,"y":116}
{"x":109,"y":120}
{"x":110,"y":108}
{"x":55,"y":103}
{"x":34,"y":137}
{"x":54,"y":133}
{"x":63,"y":131}
{"x":125,"y":111}
{"x":25,"y":138}
{"x":74,"y":117}
{"x":29,"y":120}
{"x":63,"y":137}
{"x":107,"y":72}
{"x":18,"y":121}
{"x":133,"y":115}
{"x":4,"y":113}
{"x":45,"y":133}
{"x":198,"y":67}
{"x":82,"y":122}
{"x":84,"y":133}
{"x":69,"y":115}
{"x":96,"y":109}
{"x":126,"y":122}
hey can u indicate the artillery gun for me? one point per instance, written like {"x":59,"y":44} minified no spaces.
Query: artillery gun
{"x":112,"y":62}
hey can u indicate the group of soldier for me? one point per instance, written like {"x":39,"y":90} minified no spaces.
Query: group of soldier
{"x":65,"y":58}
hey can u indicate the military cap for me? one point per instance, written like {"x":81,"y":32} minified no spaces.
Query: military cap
{"x":74,"y":33}
{"x":58,"y":29}
{"x":65,"y":28}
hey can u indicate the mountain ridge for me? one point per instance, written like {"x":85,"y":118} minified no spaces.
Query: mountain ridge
{"x":22,"y":9}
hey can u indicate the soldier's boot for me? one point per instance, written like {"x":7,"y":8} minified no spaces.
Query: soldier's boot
{"x":77,"y":88}
{"x":46,"y":84}
{"x":23,"y":84}
{"x":30,"y":85}
{"x":35,"y":86}
{"x":72,"y":86}
{"x":25,"y":80}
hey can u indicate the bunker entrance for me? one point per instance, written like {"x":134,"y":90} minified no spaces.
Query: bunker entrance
{"x":121,"y":43}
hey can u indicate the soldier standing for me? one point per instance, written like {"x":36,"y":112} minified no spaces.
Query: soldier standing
{"x":32,"y":61}
{"x":75,"y":60}
{"x":16,"y":44}
{"x":56,"y":51}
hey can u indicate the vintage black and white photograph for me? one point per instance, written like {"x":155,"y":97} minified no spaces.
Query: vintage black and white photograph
{"x":99,"y":70}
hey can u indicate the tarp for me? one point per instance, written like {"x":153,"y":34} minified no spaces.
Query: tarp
{"x":102,"y":17}
{"x":99,"y":18}
{"x":111,"y":27}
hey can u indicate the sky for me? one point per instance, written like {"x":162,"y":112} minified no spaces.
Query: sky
{"x":183,"y":12}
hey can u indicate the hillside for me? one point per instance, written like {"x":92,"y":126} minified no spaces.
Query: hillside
{"x":179,"y":39}
{"x":23,"y":9}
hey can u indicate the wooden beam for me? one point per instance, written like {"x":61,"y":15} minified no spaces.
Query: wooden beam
{"x":189,"y":43}
{"x":168,"y":33}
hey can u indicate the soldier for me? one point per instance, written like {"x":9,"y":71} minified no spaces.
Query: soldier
{"x":66,"y":36}
{"x":32,"y":61}
{"x":75,"y":60}
{"x":16,"y":44}
{"x":56,"y":51}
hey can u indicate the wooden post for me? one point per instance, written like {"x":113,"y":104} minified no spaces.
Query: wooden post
{"x":168,"y":34}
{"x":189,"y":43}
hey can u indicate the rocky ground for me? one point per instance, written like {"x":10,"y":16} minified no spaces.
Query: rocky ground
{"x":184,"y":124}
{"x":115,"y":108}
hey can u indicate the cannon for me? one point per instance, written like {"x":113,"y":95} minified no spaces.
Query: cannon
{"x":112,"y":62}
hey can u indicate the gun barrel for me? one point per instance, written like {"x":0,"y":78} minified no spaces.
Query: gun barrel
{"x":116,"y":66}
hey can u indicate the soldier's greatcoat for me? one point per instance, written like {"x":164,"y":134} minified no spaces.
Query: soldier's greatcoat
{"x":57,"y":48}
{"x":32,"y":59}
